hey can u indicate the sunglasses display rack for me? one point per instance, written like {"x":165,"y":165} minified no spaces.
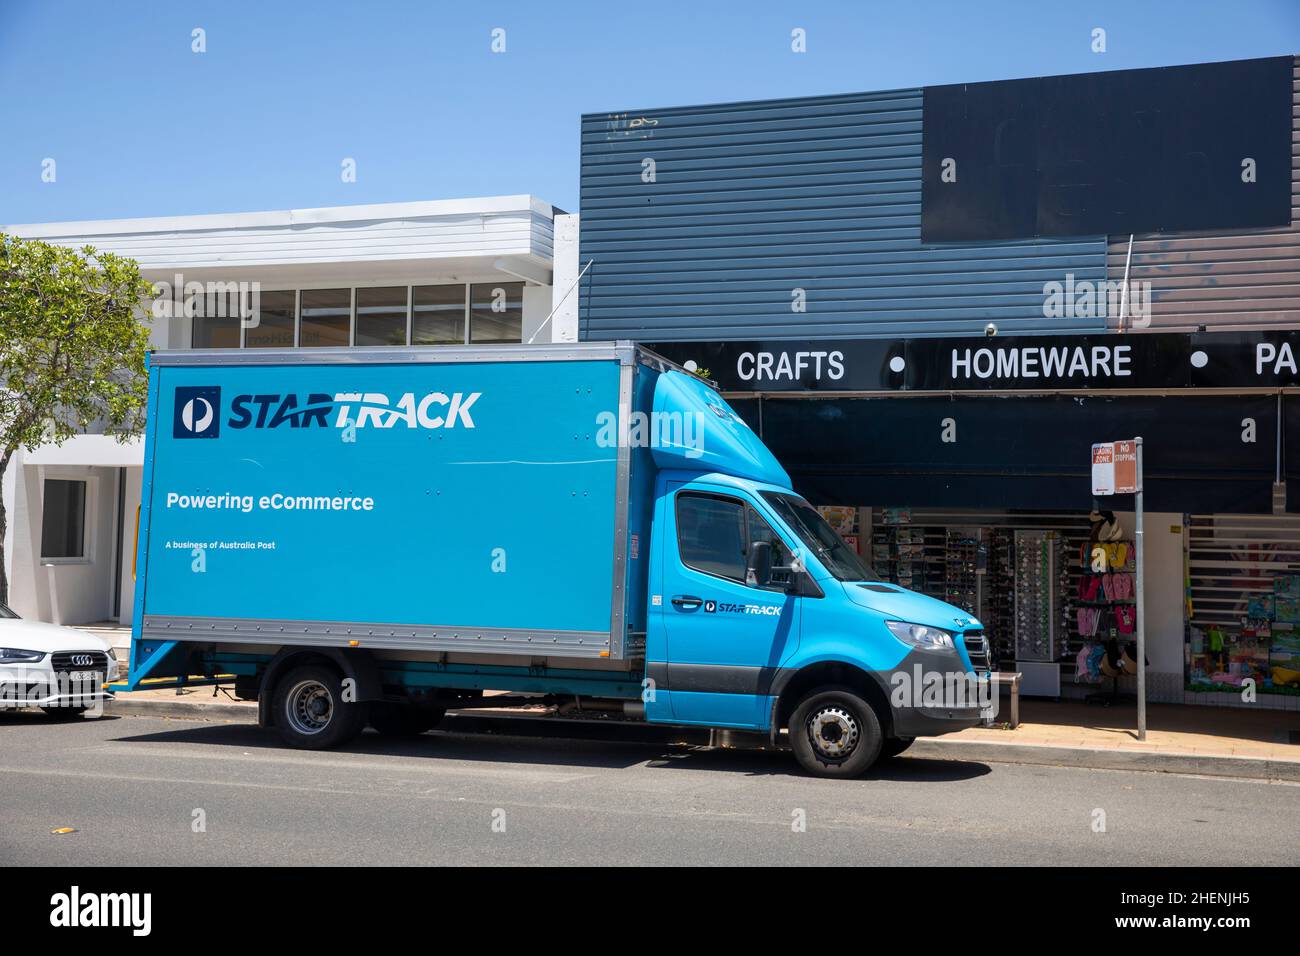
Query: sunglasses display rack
{"x":899,"y":555}
{"x":998,"y":613}
{"x":1037,"y":595}
{"x":961,"y":571}
{"x":979,"y":568}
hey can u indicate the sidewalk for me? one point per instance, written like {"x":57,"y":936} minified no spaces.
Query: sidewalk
{"x":1214,"y":741}
{"x":1180,"y":739}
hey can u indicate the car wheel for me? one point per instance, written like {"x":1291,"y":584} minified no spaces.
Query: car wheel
{"x":835,"y":733}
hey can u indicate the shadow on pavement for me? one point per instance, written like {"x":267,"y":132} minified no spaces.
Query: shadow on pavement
{"x":543,"y":743}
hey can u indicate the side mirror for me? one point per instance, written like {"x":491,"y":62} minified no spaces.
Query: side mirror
{"x":758,"y":570}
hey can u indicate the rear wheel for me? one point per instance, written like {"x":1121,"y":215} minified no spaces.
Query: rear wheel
{"x":310,"y":711}
{"x":835,"y":733}
{"x":404,"y":720}
{"x":893,"y":746}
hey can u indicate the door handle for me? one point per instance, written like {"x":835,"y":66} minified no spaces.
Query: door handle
{"x":687,"y":601}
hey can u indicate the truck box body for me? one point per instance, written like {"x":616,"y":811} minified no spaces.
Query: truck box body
{"x":429,"y":501}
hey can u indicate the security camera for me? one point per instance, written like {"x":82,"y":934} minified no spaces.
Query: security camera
{"x":990,"y":330}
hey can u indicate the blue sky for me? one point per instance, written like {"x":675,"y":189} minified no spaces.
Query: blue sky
{"x":140,"y":125}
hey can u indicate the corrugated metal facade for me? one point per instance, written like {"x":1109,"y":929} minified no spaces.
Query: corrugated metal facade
{"x":752,"y":201}
{"x":1246,"y":279}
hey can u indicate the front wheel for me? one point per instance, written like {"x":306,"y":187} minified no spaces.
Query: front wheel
{"x":310,"y":710}
{"x":835,"y":733}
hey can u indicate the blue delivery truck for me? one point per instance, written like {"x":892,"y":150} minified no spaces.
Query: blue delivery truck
{"x":374,"y":536}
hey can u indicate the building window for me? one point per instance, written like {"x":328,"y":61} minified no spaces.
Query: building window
{"x":438,"y":315}
{"x":215,"y":322}
{"x":276,"y":314}
{"x":482,"y":313}
{"x":326,"y":318}
{"x":381,"y":316}
{"x":63,"y":521}
{"x":496,"y":312}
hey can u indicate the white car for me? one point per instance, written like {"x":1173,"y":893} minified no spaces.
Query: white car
{"x":59,"y":669}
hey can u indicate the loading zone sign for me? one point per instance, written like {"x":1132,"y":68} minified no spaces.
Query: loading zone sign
{"x":1114,"y":468}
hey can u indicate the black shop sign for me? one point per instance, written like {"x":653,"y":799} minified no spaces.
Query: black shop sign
{"x":1233,"y":360}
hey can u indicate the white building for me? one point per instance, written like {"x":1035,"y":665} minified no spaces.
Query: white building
{"x":421,"y":273}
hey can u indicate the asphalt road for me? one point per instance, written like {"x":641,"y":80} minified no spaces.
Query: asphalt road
{"x":130,"y":787}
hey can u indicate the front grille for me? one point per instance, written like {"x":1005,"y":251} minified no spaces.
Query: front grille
{"x":977,"y":649}
{"x":66,"y":662}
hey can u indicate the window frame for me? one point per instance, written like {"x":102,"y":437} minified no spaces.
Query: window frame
{"x":352,"y":315}
{"x":293,"y":330}
{"x":749,"y":511}
{"x":356,"y":315}
{"x":469,"y":311}
{"x":87,"y":544}
{"x":464,"y":320}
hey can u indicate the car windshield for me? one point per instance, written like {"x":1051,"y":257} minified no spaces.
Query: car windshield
{"x":805,"y":521}
{"x":5,"y":612}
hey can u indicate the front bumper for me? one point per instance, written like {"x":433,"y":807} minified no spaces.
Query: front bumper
{"x":933,"y":721}
{"x":40,"y":685}
{"x":932,"y":693}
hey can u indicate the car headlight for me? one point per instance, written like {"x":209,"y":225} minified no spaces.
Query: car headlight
{"x":921,"y":635}
{"x":16,"y":655}
{"x":112,"y":653}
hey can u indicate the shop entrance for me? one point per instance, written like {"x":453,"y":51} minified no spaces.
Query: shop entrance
{"x":1057,"y":605}
{"x":1243,"y":594}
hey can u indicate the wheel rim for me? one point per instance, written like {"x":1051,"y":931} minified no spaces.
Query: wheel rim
{"x":309,"y":707}
{"x":834,"y":732}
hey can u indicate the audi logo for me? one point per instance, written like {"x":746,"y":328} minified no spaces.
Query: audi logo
{"x":82,"y":660}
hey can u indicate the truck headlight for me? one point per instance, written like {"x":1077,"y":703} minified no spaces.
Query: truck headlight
{"x":921,"y":635}
{"x":16,"y":655}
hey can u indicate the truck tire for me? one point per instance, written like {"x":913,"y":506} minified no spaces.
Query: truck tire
{"x":893,"y":746}
{"x":835,"y":733}
{"x":404,"y":720}
{"x":309,"y":711}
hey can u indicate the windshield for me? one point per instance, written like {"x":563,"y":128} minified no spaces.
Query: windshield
{"x":805,"y":521}
{"x":5,"y":612}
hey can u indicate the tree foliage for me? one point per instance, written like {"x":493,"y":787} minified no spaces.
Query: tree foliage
{"x":72,"y":346}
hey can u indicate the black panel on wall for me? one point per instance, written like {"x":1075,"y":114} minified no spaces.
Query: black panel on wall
{"x":1020,"y":452}
{"x":1157,"y":150}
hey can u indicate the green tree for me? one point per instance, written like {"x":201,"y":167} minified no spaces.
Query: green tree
{"x":72,"y":349}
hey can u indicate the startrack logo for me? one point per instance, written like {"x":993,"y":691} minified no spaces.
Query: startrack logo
{"x":726,"y":607}
{"x":198,"y":411}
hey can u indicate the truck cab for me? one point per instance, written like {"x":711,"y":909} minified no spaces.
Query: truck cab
{"x":763,"y":619}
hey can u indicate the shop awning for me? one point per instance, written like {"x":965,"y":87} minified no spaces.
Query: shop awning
{"x":1204,"y":453}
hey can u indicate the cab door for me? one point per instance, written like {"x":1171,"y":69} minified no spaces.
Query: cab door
{"x":725,"y":635}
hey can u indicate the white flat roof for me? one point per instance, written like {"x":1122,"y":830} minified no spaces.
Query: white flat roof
{"x":418,"y":241}
{"x":483,"y":205}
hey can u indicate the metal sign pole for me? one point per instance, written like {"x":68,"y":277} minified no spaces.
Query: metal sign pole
{"x":1141,"y":603}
